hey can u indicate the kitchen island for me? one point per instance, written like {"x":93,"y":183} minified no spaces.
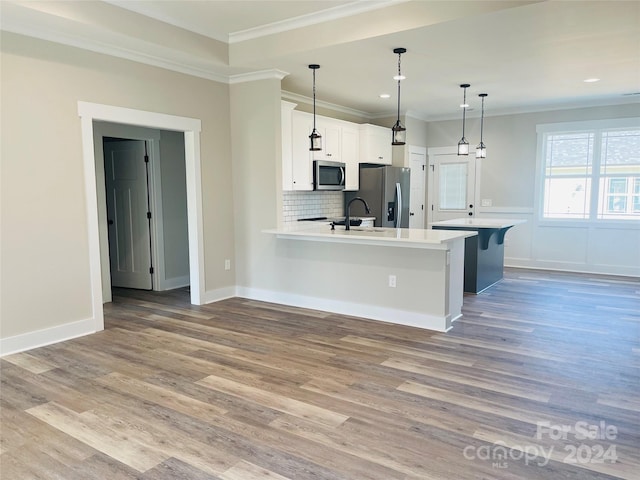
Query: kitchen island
{"x":405,"y":276}
{"x":484,"y":253}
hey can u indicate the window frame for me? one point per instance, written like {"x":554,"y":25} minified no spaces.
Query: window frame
{"x":594,"y":219}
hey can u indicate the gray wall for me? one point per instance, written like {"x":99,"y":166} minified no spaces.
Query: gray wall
{"x":174,"y":207}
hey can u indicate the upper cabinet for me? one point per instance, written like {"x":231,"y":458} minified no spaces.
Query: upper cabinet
{"x":350,"y":155}
{"x":301,"y":159}
{"x":375,"y":144}
{"x":329,"y":129}
{"x":340,"y":143}
{"x":287,"y":146}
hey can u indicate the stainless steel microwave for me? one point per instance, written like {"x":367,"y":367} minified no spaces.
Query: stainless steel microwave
{"x":328,"y":175}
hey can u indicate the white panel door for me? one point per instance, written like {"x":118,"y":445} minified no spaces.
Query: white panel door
{"x":417,"y":163}
{"x":452,"y":185}
{"x":127,"y":207}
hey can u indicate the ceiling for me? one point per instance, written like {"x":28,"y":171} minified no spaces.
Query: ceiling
{"x":526,"y":55}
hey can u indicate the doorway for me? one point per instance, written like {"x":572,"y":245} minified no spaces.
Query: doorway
{"x":452,"y":185}
{"x":90,"y":112}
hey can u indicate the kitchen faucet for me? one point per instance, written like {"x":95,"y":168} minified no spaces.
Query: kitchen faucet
{"x":347,"y":220}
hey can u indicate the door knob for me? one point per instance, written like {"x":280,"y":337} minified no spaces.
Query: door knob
{"x":411,"y":214}
{"x":470,"y":206}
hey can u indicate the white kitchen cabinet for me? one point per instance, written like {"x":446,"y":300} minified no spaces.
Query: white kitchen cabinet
{"x":330,"y":130}
{"x":340,"y":141}
{"x":301,"y":159}
{"x":287,"y":145}
{"x":351,"y":155}
{"x":375,"y":144}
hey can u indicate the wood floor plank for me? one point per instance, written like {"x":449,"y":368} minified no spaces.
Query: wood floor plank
{"x":242,"y":389}
{"x":275,"y":401}
{"x":244,"y":470}
{"x":29,"y":362}
{"x":96,"y":434}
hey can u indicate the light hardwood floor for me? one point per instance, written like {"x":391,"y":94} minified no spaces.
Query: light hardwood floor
{"x":242,"y":390}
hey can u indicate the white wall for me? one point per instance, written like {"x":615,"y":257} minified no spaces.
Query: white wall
{"x":45,"y":255}
{"x":508,"y":179}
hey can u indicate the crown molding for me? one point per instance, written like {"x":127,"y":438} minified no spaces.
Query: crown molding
{"x":297,"y":98}
{"x":334,"y":13}
{"x":93,"y":45}
{"x":573,"y":105}
{"x":259,"y":75}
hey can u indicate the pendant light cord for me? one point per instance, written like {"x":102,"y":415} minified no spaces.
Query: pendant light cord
{"x":314,"y":99}
{"x":482,"y":121}
{"x":464,"y":110}
{"x":399,"y":78}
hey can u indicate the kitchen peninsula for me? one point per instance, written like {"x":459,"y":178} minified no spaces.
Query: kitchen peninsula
{"x":405,"y":276}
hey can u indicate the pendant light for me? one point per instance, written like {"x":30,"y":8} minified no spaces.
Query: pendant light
{"x":399,"y":133}
{"x":463,"y":145}
{"x":481,"y":149}
{"x":315,"y":138}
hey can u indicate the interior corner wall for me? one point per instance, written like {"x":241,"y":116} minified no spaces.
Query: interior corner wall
{"x":257,"y":177}
{"x":45,"y":256}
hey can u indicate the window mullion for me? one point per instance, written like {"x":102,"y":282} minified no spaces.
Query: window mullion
{"x":596,"y":161}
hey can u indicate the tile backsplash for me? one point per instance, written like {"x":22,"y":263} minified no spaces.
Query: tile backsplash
{"x":298,"y":205}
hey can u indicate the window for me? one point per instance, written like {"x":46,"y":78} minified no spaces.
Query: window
{"x":591,"y":170}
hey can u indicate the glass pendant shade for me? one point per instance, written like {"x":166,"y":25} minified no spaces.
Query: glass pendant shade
{"x":316,"y":141}
{"x":398,"y":132}
{"x":463,"y":145}
{"x":315,"y":138}
{"x":481,"y":149}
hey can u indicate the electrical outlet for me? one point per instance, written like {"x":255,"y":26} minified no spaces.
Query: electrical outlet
{"x":392,"y":281}
{"x":487,"y":202}
{"x":227,"y":264}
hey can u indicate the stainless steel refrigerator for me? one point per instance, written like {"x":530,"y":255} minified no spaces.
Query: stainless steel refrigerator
{"x":386,"y":191}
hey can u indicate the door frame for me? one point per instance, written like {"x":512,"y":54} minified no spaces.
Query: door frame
{"x":88,"y":112}
{"x":414,"y":149}
{"x":431,"y":153}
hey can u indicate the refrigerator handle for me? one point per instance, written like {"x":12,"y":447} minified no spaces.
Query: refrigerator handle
{"x":398,"y":205}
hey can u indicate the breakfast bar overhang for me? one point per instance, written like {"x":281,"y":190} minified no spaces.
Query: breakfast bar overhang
{"x":484,"y":253}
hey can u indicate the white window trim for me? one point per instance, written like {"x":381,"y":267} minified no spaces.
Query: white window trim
{"x":568,"y":127}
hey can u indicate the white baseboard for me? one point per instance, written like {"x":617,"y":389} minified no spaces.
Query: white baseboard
{"x":372,"y":312}
{"x":211,"y":296}
{"x":625,"y":271}
{"x":47,"y":336}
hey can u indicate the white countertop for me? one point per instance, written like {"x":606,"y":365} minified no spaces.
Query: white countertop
{"x":394,"y":237}
{"x":479,"y":222}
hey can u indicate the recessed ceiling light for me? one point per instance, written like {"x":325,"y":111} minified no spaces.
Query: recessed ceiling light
{"x":385,"y":95}
{"x":591,"y":80}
